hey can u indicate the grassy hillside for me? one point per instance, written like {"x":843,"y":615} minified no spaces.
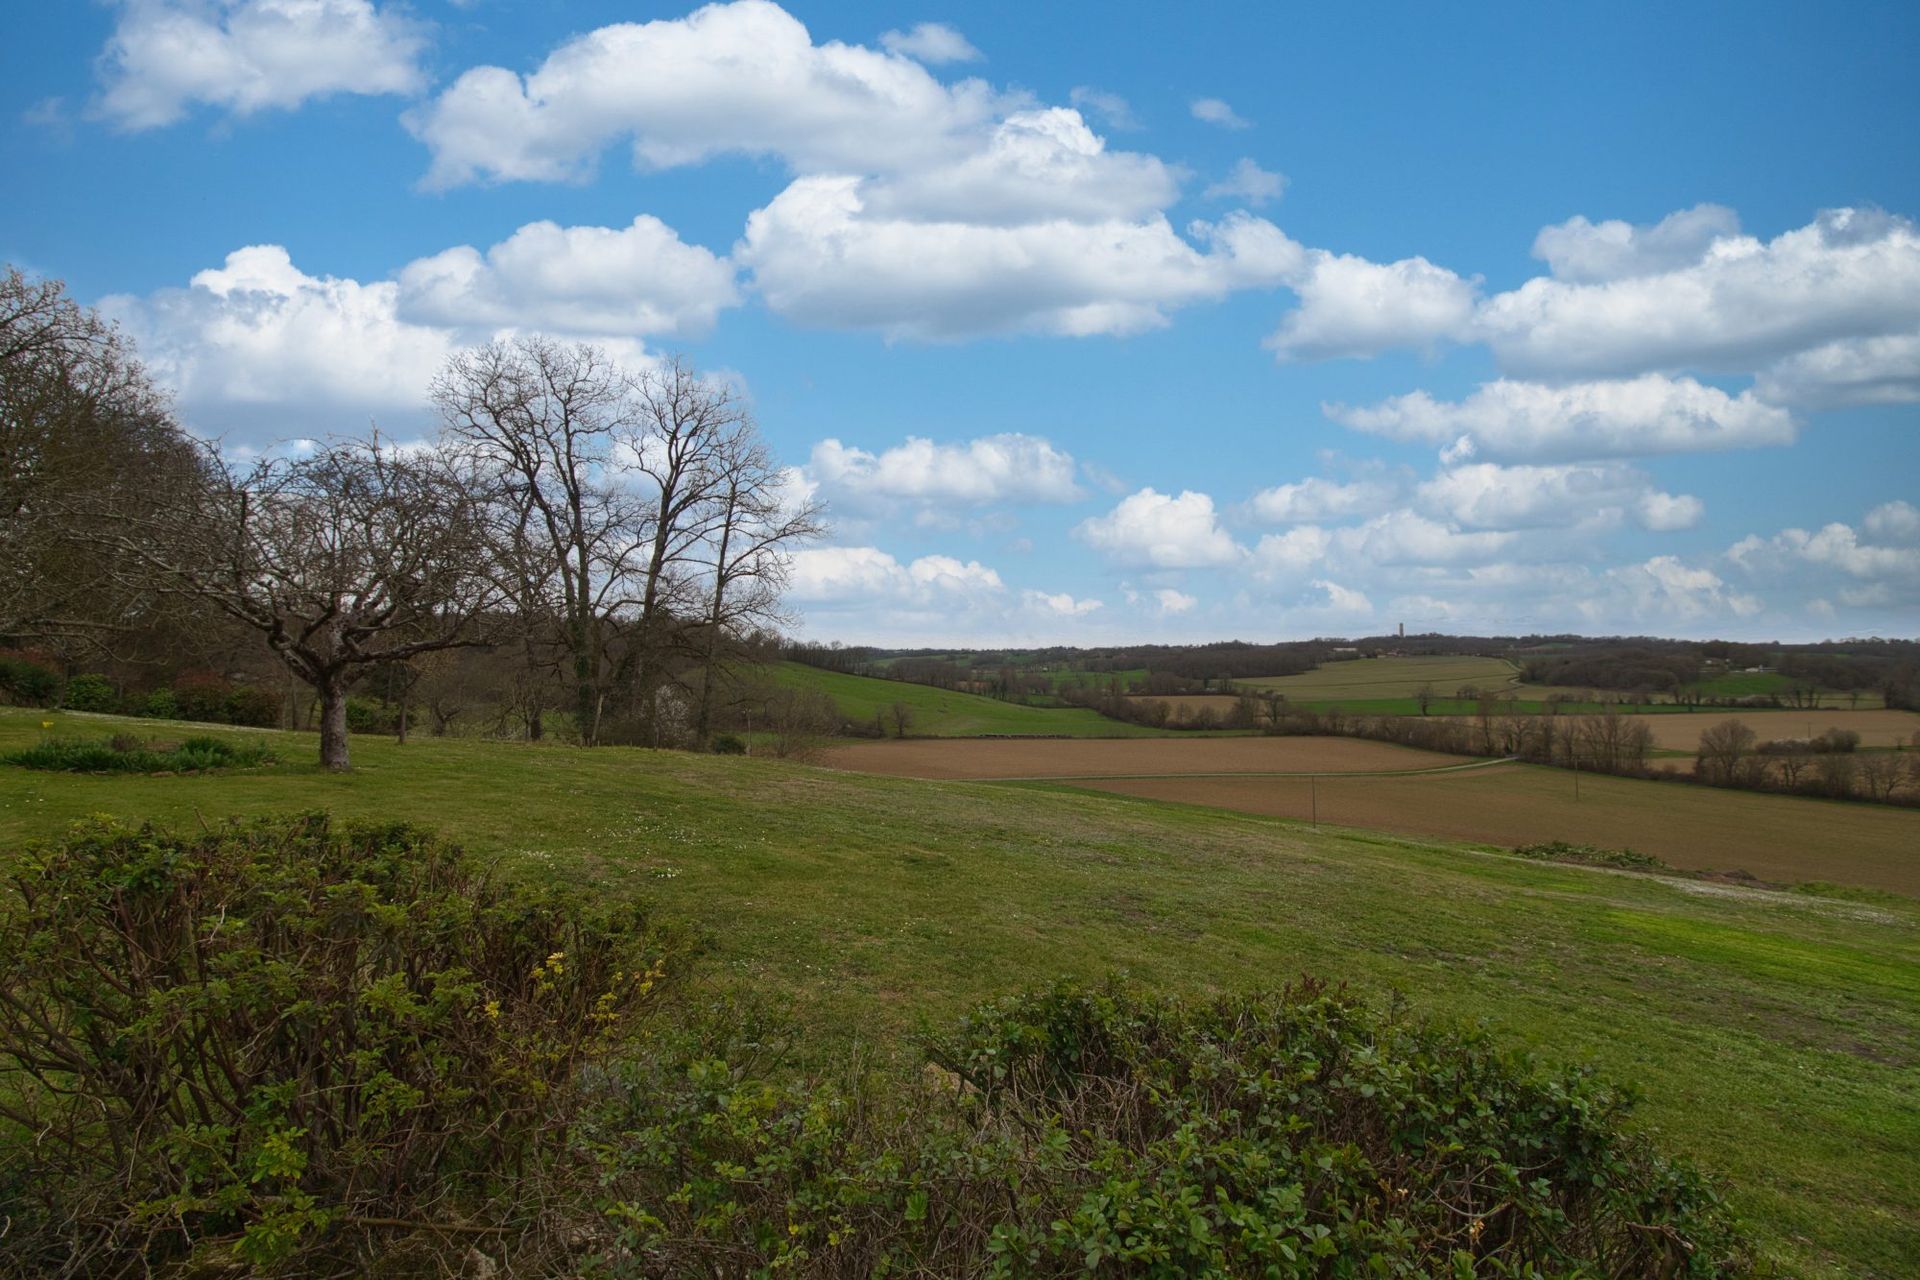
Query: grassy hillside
{"x":1376,"y":679}
{"x":943,"y":713}
{"x":1776,"y":1035}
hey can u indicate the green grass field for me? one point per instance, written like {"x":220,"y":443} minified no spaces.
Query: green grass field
{"x":943,"y":713}
{"x":1776,"y":1035}
{"x":1377,"y":679}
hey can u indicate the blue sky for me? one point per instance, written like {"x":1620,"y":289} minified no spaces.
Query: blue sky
{"x":1090,"y":322}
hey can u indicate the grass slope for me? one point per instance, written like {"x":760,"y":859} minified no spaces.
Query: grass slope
{"x":944,"y":713}
{"x":1776,"y":1035}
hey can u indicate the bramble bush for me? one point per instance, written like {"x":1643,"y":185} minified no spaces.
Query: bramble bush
{"x":1073,"y":1130}
{"x":295,"y":1049}
{"x":291,"y":1047}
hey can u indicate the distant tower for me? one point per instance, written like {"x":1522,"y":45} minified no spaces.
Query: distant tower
{"x":1403,"y":631}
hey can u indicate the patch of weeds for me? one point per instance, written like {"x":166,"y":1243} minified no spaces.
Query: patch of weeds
{"x":123,"y":753}
{"x":1587,"y":855}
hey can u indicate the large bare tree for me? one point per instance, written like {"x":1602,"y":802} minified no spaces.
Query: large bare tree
{"x":758,"y":520}
{"x":552,"y":426}
{"x":78,"y":415}
{"x":353,"y":555}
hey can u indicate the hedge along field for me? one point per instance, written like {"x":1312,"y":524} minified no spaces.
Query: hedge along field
{"x":1776,"y":1036}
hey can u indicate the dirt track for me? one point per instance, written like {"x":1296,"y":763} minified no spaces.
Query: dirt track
{"x":1778,"y":838}
{"x":983,"y":758}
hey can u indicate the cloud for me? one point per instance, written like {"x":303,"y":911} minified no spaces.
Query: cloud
{"x":258,"y":333}
{"x":1590,"y":253}
{"x":1896,"y":521}
{"x":1317,"y":499}
{"x":1214,"y":111}
{"x":1851,"y":273}
{"x":933,"y":43}
{"x":1876,"y":370}
{"x":1248,"y":182}
{"x":1533,"y":421}
{"x":821,"y":259}
{"x":1170,"y":602}
{"x":1111,"y":109}
{"x":1352,"y":307}
{"x":1059,"y":604}
{"x":1836,"y":546}
{"x":638,"y":279}
{"x":1150,"y":529}
{"x":867,"y":595}
{"x":741,"y":79}
{"x":1342,"y":600}
{"x":1488,"y":496}
{"x":243,"y":56}
{"x":258,"y":342}
{"x":1007,"y":468}
{"x":1664,"y":589}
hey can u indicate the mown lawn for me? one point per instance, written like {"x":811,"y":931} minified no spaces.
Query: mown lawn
{"x":1776,"y":1035}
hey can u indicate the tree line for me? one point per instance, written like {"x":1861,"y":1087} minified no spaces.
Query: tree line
{"x":613,"y":541}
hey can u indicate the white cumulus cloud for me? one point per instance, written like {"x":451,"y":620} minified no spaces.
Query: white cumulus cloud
{"x":1616,"y":418}
{"x":243,"y":56}
{"x":933,"y":43}
{"x":1216,"y":112}
{"x":1162,"y":531}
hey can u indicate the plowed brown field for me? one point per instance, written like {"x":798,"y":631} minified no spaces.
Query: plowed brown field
{"x":1681,"y":730}
{"x":982,"y":758}
{"x":1780,"y":838}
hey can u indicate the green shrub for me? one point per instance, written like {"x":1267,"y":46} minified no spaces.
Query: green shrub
{"x":253,"y":706}
{"x":27,"y":679}
{"x":1299,"y":1134}
{"x":161,"y":705}
{"x":728,"y":744}
{"x":364,"y":715}
{"x":202,"y":697}
{"x":90,"y":693}
{"x":288,"y":1047}
{"x":125,"y":754}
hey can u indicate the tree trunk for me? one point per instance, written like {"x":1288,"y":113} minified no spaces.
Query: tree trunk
{"x":333,"y":726}
{"x":403,"y":720}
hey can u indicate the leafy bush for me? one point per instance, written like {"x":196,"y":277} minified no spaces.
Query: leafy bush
{"x":27,"y":679}
{"x":201,"y":697}
{"x":364,"y":715}
{"x":125,"y":754}
{"x":252,"y":706}
{"x":90,"y":693}
{"x":1588,"y":855}
{"x":291,"y":1047}
{"x":161,"y":705}
{"x":728,"y":744}
{"x":1299,"y":1134}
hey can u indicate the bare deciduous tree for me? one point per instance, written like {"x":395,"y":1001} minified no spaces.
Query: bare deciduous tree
{"x":352,"y":556}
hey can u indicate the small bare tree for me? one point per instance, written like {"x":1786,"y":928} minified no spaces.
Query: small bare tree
{"x":1723,"y":750}
{"x":352,"y":556}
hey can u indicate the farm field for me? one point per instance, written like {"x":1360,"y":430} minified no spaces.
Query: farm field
{"x":945,"y":713}
{"x":1218,"y":703}
{"x":1093,"y":758}
{"x":1878,"y":728}
{"x":1784,"y":839}
{"x":1372,"y":679}
{"x":1774,"y":1035}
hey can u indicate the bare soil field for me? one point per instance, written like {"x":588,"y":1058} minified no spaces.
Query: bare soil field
{"x":1786,"y":839}
{"x":985,"y":758}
